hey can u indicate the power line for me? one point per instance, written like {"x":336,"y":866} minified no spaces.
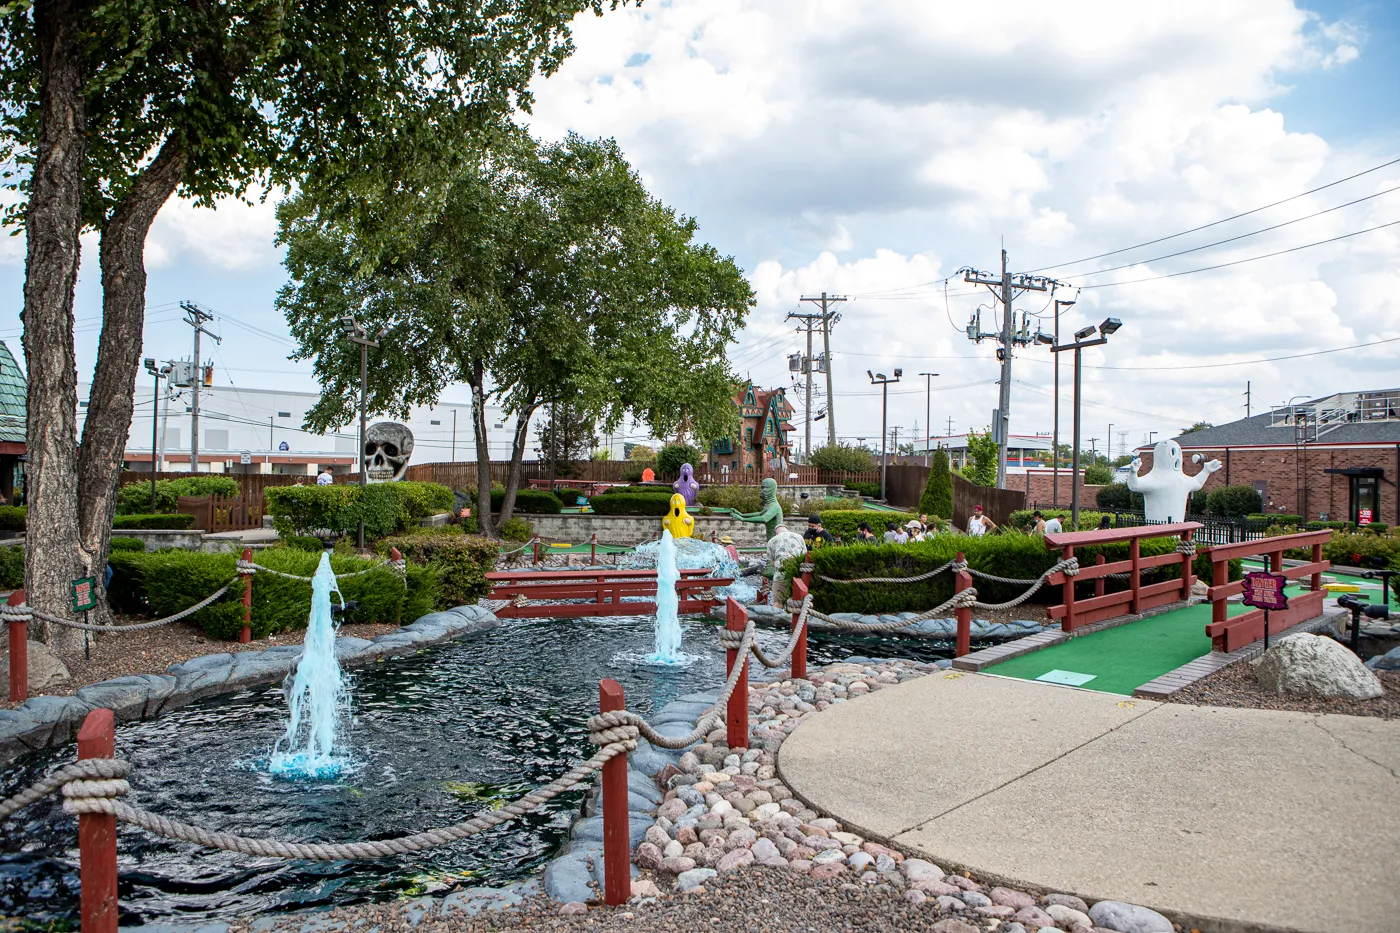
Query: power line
{"x":1216,"y":223}
{"x":1271,"y":359}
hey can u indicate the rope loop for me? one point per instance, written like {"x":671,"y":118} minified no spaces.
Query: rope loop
{"x":246,"y":567}
{"x":958,"y":566}
{"x":1186,"y":547}
{"x":18,"y":613}
{"x":1069,"y":567}
{"x":617,"y":726}
{"x":730,"y":640}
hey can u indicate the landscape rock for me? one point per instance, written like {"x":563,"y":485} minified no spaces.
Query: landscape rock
{"x":689,"y":881}
{"x":567,"y":878}
{"x":1315,"y":666}
{"x":125,"y":696}
{"x":1067,"y":916}
{"x":573,"y":909}
{"x":953,"y":925}
{"x":917,"y":869}
{"x":1128,"y":918}
{"x":45,"y":667}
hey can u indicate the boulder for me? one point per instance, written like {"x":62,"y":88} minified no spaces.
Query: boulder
{"x":566,"y":879}
{"x":1315,"y":666}
{"x":1390,"y":661}
{"x":45,"y":667}
{"x":1128,"y":918}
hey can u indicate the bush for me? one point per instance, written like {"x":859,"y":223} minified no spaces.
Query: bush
{"x":1280,"y":519}
{"x":460,"y":564}
{"x":826,"y":503}
{"x":423,"y":500}
{"x":304,"y":510}
{"x":872,"y":490}
{"x":1024,"y":519}
{"x":1196,"y":505}
{"x":842,"y":458}
{"x":517,"y":529}
{"x":1361,"y":549}
{"x":632,"y":472}
{"x":1098,"y":475}
{"x":172,"y":522}
{"x":529,"y":502}
{"x":1116,"y":497}
{"x":126,"y":544}
{"x":671,"y":457}
{"x":1377,"y":528}
{"x":1234,"y":501}
{"x":135,"y":498}
{"x":303,"y":543}
{"x":12,"y":517}
{"x":738,"y":498}
{"x":569,"y":496}
{"x":843,"y":522}
{"x":12,"y":566}
{"x":938,"y":491}
{"x":632,"y":503}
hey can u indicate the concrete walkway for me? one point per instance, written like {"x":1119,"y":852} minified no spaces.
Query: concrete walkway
{"x":1223,"y":819}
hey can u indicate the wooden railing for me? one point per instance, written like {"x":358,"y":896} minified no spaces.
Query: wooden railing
{"x":223,"y":513}
{"x":1228,"y":634}
{"x":1074,"y":613}
{"x":605,"y":590}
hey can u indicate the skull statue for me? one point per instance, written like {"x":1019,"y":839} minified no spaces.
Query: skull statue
{"x":388,"y":445}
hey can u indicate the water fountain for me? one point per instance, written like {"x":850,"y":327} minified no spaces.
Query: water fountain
{"x":317,"y":695}
{"x":668,"y":623}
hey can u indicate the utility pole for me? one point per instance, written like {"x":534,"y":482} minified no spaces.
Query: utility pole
{"x":828,"y":318}
{"x":358,"y":334}
{"x":895,"y":440}
{"x":454,"y":434}
{"x":196,"y":317}
{"x":1093,"y":451}
{"x":1009,"y":337}
{"x":1246,"y":399}
{"x":928,"y":417}
{"x":803,"y":363}
{"x":1055,"y":424}
{"x":1108,"y":445}
{"x":950,"y":426}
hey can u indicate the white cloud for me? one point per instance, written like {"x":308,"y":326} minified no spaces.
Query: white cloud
{"x":231,"y":235}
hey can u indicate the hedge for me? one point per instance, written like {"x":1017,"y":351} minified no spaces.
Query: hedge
{"x":12,"y":566}
{"x":871,"y":490}
{"x":1023,"y":519}
{"x":569,"y":496}
{"x":163,"y":582}
{"x":1117,"y":497}
{"x":1013,"y":555}
{"x":1234,"y":501}
{"x":159,"y":522}
{"x":1362,"y":549}
{"x":385,"y":508}
{"x":459,"y":561}
{"x":12,"y":517}
{"x":135,"y":498}
{"x":631,"y":503}
{"x":843,"y":522}
{"x":1279,"y":519}
{"x":739,"y":498}
{"x":528,"y":502}
{"x":127,"y":544}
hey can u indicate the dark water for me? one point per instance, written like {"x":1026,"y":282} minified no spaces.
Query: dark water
{"x":435,"y":738}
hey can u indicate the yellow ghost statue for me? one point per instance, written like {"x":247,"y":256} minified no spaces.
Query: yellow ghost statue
{"x":677,"y":522}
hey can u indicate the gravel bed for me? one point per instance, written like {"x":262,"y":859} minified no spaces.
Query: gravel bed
{"x":1235,"y":686}
{"x":151,"y":651}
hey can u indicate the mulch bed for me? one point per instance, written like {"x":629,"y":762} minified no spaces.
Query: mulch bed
{"x":1235,"y":686}
{"x":151,"y":651}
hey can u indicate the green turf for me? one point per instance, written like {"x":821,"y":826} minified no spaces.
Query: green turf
{"x":1127,"y":656}
{"x":1370,"y":593}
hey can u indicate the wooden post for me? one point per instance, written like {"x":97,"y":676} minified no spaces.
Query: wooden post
{"x":963,"y":613}
{"x":737,"y":722}
{"x":1067,"y":623}
{"x":1220,"y":575}
{"x":97,"y":834}
{"x":593,"y":550}
{"x":1317,"y":577}
{"x":246,"y":634}
{"x":617,"y":850}
{"x":1101,"y":583}
{"x":537,"y":550}
{"x":1187,"y":580}
{"x":1135,"y":575}
{"x":799,"y":651}
{"x":1276,"y":562}
{"x":19,"y":653}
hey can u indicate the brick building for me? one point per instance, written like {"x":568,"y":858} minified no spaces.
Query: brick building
{"x":1334,"y":458}
{"x":761,"y":443}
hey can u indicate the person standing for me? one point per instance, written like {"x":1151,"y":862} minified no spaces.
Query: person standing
{"x":979,"y":524}
{"x":324,"y":478}
{"x":816,"y":535}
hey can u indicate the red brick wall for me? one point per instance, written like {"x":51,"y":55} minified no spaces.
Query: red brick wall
{"x":1039,"y":489}
{"x":1279,"y":468}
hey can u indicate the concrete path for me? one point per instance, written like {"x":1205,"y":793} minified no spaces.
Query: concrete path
{"x":1223,"y":819}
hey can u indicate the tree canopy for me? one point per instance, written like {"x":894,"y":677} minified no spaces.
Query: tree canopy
{"x":842,"y":457}
{"x":981,"y":468}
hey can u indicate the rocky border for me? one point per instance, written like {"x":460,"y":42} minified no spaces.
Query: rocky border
{"x":935,"y":629}
{"x":45,"y":721}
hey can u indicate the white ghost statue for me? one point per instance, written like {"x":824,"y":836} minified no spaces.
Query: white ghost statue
{"x":1166,"y":489}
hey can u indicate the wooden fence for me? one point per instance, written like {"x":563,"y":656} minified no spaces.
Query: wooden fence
{"x":462,"y":475}
{"x":223,"y":513}
{"x":997,"y":503}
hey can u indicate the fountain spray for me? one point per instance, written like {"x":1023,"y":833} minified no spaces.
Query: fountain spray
{"x":317,"y":694}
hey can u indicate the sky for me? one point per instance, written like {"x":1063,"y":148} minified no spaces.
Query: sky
{"x":873,"y":151}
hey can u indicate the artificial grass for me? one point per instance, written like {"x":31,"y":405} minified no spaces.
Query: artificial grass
{"x":1370,"y":591}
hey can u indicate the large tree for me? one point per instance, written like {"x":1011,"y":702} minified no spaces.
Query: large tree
{"x":542,"y":273}
{"x":111,"y":106}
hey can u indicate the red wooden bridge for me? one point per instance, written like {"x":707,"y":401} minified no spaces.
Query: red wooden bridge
{"x":534,"y":594}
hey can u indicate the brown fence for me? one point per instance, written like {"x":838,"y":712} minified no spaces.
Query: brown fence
{"x":997,"y":503}
{"x":461,"y":475}
{"x":223,"y":513}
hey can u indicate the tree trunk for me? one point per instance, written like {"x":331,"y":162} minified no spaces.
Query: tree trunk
{"x":112,"y":399}
{"x":483,"y":453}
{"x":517,"y":454}
{"x":53,"y":220}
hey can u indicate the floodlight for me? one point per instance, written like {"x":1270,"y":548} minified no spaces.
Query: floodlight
{"x":898,"y":372}
{"x":383,"y":332}
{"x":881,"y":376}
{"x":1084,"y":333}
{"x":347,"y":324}
{"x":1110,"y":325}
{"x":150,"y":364}
{"x":1046,"y":339}
{"x":871,"y":375}
{"x":1066,"y":304}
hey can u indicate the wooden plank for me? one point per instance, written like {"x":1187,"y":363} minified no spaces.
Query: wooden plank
{"x":1248,"y":627}
{"x":1263,"y":546}
{"x":1116,"y":535}
{"x":1108,"y":600}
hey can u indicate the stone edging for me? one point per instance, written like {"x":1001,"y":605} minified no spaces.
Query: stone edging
{"x":44,"y":721}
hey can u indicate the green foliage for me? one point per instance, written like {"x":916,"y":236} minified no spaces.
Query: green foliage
{"x":937,"y":498}
{"x":871,"y":490}
{"x":1324,"y":526}
{"x":810,"y":505}
{"x":529,"y":502}
{"x":632,"y":503}
{"x":1280,"y":519}
{"x":135,"y":498}
{"x":1098,"y":475}
{"x":568,"y":496}
{"x":1233,"y":501}
{"x":739,"y":498}
{"x":982,"y":452}
{"x":385,"y":508}
{"x":304,"y":510}
{"x":303,"y":543}
{"x":127,"y":544}
{"x":1117,"y":497}
{"x":12,"y":517}
{"x":632,"y":472}
{"x":1198,"y":426}
{"x":1198,"y":501}
{"x":674,"y":455}
{"x":517,"y":529}
{"x":460,"y":563}
{"x":843,"y":522}
{"x":1362,"y":549}
{"x":641,"y":452}
{"x":842,"y":458}
{"x":174,"y":522}
{"x":12,"y":565}
{"x":1024,"y":519}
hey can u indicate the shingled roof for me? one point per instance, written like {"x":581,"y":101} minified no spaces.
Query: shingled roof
{"x":14,"y":393}
{"x":1261,"y":431}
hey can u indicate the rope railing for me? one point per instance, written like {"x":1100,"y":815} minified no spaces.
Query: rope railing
{"x":24,"y":613}
{"x":250,"y":567}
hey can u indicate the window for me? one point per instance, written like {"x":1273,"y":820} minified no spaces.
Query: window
{"x":433,"y":421}
{"x":748,"y":435}
{"x":284,"y":414}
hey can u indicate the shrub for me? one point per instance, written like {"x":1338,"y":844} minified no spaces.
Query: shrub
{"x":303,"y":543}
{"x":871,"y":490}
{"x":809,"y":505}
{"x":1280,"y":519}
{"x":422,"y":500}
{"x":1377,"y":528}
{"x":1024,"y":520}
{"x":938,"y":491}
{"x":303,"y":510}
{"x":842,"y":458}
{"x":126,"y":544}
{"x":569,"y":496}
{"x":632,"y":503}
{"x":739,"y":498}
{"x":460,"y":562}
{"x":134,"y":498}
{"x":1196,"y":505}
{"x":670,"y":458}
{"x":1234,"y":501}
{"x":529,"y":502}
{"x":632,"y":472}
{"x":12,"y":566}
{"x":517,"y":529}
{"x":12,"y":517}
{"x":1116,"y":497}
{"x":172,"y":522}
{"x":1098,"y":475}
{"x":1360,"y":549}
{"x":843,"y":522}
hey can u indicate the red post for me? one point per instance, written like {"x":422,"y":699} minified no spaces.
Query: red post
{"x":617,"y":852}
{"x":799,"y":651}
{"x":1067,"y":623}
{"x":1276,"y":562}
{"x":963,"y":613}
{"x":19,"y":653}
{"x":97,"y":834}
{"x":735,"y":620}
{"x":537,"y":549}
{"x":1220,"y":576}
{"x":1135,"y":575}
{"x":593,"y":550}
{"x":1187,"y":580}
{"x":1316,"y":577}
{"x":1101,"y":583}
{"x":246,"y":635}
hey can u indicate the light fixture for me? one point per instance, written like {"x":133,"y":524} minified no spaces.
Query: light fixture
{"x":1084,"y":333}
{"x":1046,"y":339}
{"x":1066,"y":304}
{"x":898,"y":372}
{"x":1109,"y":326}
{"x":150,"y":364}
{"x":880,"y":376}
{"x":870,"y":374}
{"x":347,"y":324}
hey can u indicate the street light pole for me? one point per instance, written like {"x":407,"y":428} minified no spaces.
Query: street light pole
{"x":883,"y":382}
{"x":155,"y":411}
{"x":1055,"y":429}
{"x":1081,"y":342}
{"x":356,"y":333}
{"x":928,"y":409}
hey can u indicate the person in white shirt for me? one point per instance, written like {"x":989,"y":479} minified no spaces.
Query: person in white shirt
{"x":979,"y":524}
{"x":1053,"y":525}
{"x":324,"y":478}
{"x":895,"y":535}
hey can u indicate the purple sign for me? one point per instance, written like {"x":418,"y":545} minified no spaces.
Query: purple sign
{"x":1265,"y":590}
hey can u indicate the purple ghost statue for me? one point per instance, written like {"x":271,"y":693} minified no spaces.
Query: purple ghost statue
{"x":686,"y":485}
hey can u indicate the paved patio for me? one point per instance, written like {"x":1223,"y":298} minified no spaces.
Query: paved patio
{"x":1223,"y":819}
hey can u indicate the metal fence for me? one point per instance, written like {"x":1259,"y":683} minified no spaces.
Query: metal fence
{"x":1216,"y":530}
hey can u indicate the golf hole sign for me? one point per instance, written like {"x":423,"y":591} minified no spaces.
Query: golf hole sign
{"x":1265,"y":590}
